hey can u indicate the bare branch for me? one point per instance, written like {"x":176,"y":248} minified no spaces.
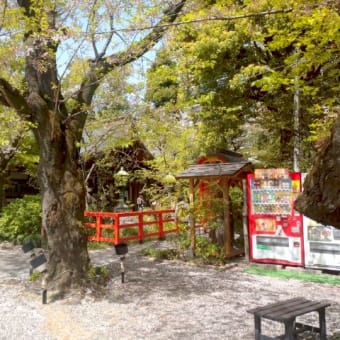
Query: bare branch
{"x":88,"y":27}
{"x":101,"y":67}
{"x":94,"y":46}
{"x":140,"y":48}
{"x":108,"y":41}
{"x":214,"y":18}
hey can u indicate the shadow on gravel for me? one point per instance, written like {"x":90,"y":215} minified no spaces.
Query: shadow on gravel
{"x":147,"y":279}
{"x":214,"y":298}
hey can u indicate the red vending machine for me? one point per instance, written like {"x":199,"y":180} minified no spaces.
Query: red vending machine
{"x":275,"y":228}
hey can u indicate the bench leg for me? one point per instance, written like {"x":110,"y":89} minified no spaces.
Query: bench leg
{"x":322,"y":323}
{"x":289,"y":330}
{"x":257,"y":327}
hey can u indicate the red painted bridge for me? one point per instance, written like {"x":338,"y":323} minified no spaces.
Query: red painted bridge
{"x":120,"y":227}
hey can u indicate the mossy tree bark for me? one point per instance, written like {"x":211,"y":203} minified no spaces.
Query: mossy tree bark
{"x":320,"y":199}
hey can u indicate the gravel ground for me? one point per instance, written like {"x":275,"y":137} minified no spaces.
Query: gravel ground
{"x":160,"y":300}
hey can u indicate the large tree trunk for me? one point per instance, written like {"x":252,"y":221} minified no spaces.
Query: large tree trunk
{"x":58,"y":133}
{"x":320,"y":199}
{"x":63,"y":204}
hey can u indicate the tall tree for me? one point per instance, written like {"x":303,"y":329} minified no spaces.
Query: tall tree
{"x":245,"y":70}
{"x":164,"y":123}
{"x":48,"y":29}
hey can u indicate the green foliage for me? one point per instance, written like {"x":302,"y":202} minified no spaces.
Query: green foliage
{"x":163,"y":127}
{"x":98,"y":275}
{"x":236,"y":196}
{"x":20,"y":220}
{"x":162,"y":86}
{"x":207,"y":250}
{"x":35,"y":276}
{"x":298,"y":275}
{"x":97,"y":245}
{"x":163,"y":132}
{"x":242,"y":76}
{"x":160,"y":254}
{"x":133,"y":231}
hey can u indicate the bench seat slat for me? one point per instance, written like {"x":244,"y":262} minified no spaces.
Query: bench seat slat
{"x":286,"y":310}
{"x":304,"y":308}
{"x":275,"y":306}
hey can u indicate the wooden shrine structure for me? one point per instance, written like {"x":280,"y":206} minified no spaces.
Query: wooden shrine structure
{"x":227,"y":169}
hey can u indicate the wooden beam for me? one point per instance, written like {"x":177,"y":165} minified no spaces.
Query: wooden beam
{"x":245,"y":220}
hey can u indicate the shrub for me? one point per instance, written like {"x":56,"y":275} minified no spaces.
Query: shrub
{"x":98,"y":275}
{"x":161,"y":254}
{"x":20,"y":220}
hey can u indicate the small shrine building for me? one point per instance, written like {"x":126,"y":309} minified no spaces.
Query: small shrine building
{"x":225,"y":169}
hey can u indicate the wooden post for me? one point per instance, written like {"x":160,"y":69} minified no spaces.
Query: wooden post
{"x":99,"y":222}
{"x":140,"y":227}
{"x":227,"y":220}
{"x":160,"y":226}
{"x":191,"y":217}
{"x":116,"y":228}
{"x":245,"y":220}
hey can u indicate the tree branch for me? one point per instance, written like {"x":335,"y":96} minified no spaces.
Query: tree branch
{"x":11,"y":97}
{"x":8,"y":152}
{"x":214,"y":18}
{"x":100,"y":67}
{"x":109,"y":39}
{"x":140,"y":48}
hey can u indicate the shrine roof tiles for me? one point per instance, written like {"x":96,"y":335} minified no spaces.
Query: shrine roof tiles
{"x":215,"y":170}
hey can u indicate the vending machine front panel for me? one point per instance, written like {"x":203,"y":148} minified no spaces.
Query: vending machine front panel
{"x":275,"y":228}
{"x":275,"y":249}
{"x":322,"y":245}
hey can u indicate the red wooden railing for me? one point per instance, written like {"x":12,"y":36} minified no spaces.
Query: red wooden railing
{"x":132,"y":225}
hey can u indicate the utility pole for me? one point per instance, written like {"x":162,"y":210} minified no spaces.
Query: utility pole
{"x":296,"y":126}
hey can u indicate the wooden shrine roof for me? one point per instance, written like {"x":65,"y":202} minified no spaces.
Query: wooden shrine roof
{"x":216,"y":170}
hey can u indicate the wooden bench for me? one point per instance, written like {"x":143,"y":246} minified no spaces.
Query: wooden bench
{"x":286,"y":312}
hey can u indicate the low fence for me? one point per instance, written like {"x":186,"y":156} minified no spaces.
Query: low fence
{"x":121,"y":227}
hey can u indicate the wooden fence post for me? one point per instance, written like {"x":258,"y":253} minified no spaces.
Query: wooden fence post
{"x":160,"y":226}
{"x":140,"y":227}
{"x":116,"y":228}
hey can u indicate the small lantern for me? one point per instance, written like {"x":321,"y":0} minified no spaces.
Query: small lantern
{"x":121,"y":177}
{"x":121,"y":180}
